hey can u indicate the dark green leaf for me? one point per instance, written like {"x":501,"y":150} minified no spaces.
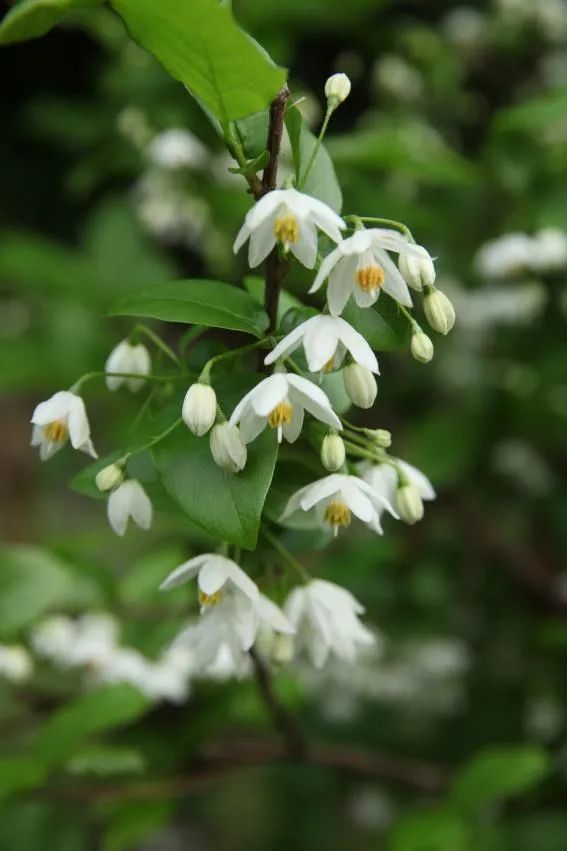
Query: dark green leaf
{"x":253,"y":133}
{"x":197,"y":302}
{"x":430,"y":830}
{"x":200,"y":44}
{"x":384,"y":326}
{"x":19,"y":774}
{"x":32,"y":18}
{"x":322,"y":181}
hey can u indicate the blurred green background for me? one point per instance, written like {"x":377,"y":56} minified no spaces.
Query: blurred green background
{"x":457,"y":126}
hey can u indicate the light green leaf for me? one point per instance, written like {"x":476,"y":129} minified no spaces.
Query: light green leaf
{"x":499,"y":773}
{"x":106,"y":761}
{"x":436,"y":829}
{"x":226,"y":505}
{"x":322,"y":181}
{"x":256,"y":287}
{"x":197,"y":302}
{"x":94,"y":712}
{"x":384,"y":326}
{"x":32,"y":18}
{"x":33,"y":581}
{"x":200,"y":44}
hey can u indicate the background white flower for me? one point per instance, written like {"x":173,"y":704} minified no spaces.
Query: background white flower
{"x":280,"y":401}
{"x":290,"y":218}
{"x":213,"y":573}
{"x":129,"y":500}
{"x":360,"y":267}
{"x":321,"y":337}
{"x":326,"y":619}
{"x":126,"y":357}
{"x":62,"y":417}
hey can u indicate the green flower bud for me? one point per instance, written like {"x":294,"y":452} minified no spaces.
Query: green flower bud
{"x":409,"y":503}
{"x":227,"y":447}
{"x":333,"y":452}
{"x":109,"y":478}
{"x":337,"y":89}
{"x":421,"y":347}
{"x":360,"y":385}
{"x":199,"y":408}
{"x":439,"y":311}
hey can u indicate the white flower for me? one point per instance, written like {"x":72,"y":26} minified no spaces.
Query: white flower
{"x":337,"y":498}
{"x":129,"y":500}
{"x":53,"y":638}
{"x":128,"y":358}
{"x":227,"y":447}
{"x":215,"y":573}
{"x":16,"y":663}
{"x":280,"y":401}
{"x":199,"y":408}
{"x":325,"y":339}
{"x":177,"y":148}
{"x":549,"y":250}
{"x":359,"y":266}
{"x":384,"y":479}
{"x":337,"y":89}
{"x":506,"y":256}
{"x":290,"y":218}
{"x":326,"y":618}
{"x":62,"y":417}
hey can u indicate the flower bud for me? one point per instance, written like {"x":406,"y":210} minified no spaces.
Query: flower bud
{"x":227,"y":447}
{"x":337,"y":89}
{"x":421,"y":347}
{"x":417,"y":271}
{"x":109,"y":478}
{"x":199,"y":408}
{"x":333,"y":452}
{"x":439,"y":311}
{"x":381,"y":436}
{"x":409,"y":503}
{"x":282,"y":649}
{"x":360,"y":385}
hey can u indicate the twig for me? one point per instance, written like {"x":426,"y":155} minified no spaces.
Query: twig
{"x":283,"y":721}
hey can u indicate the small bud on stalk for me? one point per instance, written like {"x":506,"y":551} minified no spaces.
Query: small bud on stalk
{"x":409,"y":503}
{"x":227,"y":447}
{"x":417,"y":271}
{"x":199,"y":408}
{"x":421,"y":347}
{"x":109,"y":478}
{"x":337,"y":89}
{"x":333,"y":452}
{"x":360,"y":385}
{"x":381,"y":436}
{"x":439,"y":311}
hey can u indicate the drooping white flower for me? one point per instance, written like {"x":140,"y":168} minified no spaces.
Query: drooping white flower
{"x":62,"y":417}
{"x":325,"y":340}
{"x":215,"y":574}
{"x":227,"y":447}
{"x":506,"y":256}
{"x":129,"y":500}
{"x":177,"y":148}
{"x":290,"y":218}
{"x":384,"y":478}
{"x":326,"y":619}
{"x":280,"y":401}
{"x":126,"y":357}
{"x":360,"y":267}
{"x":337,"y":498}
{"x":16,"y":664}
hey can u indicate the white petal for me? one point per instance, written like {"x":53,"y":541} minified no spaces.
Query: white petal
{"x":185,"y":571}
{"x":358,"y":503}
{"x":273,"y":616}
{"x":292,"y":430}
{"x":88,"y":448}
{"x":269,"y":393}
{"x":241,"y":238}
{"x":325,"y":268}
{"x":326,"y":219}
{"x":119,"y":360}
{"x":375,"y":496}
{"x":341,"y":284}
{"x":391,"y":240}
{"x":305,"y":249}
{"x":394,"y":284}
{"x":357,"y":346}
{"x":265,"y":207}
{"x":313,"y":399}
{"x":365,"y":299}
{"x":141,"y":509}
{"x":419,"y":479}
{"x":140,"y":364}
{"x":213,"y":574}
{"x":290,"y":342}
{"x":55,"y":408}
{"x":119,"y":509}
{"x":294,"y":502}
{"x":321,"y":489}
{"x":243,"y":582}
{"x":251,"y":425}
{"x":37,"y":437}
{"x":79,"y":430}
{"x":48,"y":449}
{"x":262,"y":240}
{"x":320,"y":342}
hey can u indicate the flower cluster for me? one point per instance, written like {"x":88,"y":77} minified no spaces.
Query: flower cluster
{"x":364,"y":266}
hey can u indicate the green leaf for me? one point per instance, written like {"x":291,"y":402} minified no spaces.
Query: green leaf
{"x":200,"y":44}
{"x":253,"y":133}
{"x":106,"y":761}
{"x":384,"y":325}
{"x":499,"y":773}
{"x":197,"y":302}
{"x":33,"y":581}
{"x":430,"y":830}
{"x":256,"y":287}
{"x":226,"y":505}
{"x":19,"y":774}
{"x":133,"y":821}
{"x":322,"y":181}
{"x":107,"y":707}
{"x":32,"y":18}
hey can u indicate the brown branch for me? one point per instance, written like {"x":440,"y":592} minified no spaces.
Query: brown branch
{"x":283,"y":721}
{"x":227,"y":757}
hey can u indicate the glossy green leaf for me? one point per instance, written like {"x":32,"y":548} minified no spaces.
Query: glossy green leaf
{"x":197,"y":302}
{"x":321,"y":181}
{"x":200,"y":44}
{"x":499,"y":773}
{"x":384,"y":326}
{"x":32,"y":18}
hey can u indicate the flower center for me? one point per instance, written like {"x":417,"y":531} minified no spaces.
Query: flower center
{"x":337,"y":514}
{"x":286,"y":230}
{"x":281,"y":415}
{"x":57,"y":431}
{"x":209,"y":599}
{"x":369,"y":278}
{"x":328,"y":367}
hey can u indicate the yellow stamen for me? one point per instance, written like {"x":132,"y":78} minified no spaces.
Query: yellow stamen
{"x":328,"y":367}
{"x":369,"y":278}
{"x":281,"y":415}
{"x":286,"y":230}
{"x":57,"y":431}
{"x":209,"y":599}
{"x":337,"y":514}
